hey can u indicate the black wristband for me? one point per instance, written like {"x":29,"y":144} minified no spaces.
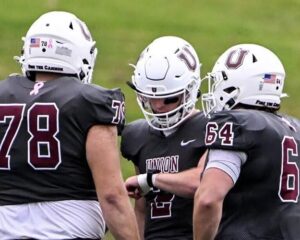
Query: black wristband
{"x":149,"y":178}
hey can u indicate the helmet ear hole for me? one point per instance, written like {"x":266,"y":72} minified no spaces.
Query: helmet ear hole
{"x":229,"y":89}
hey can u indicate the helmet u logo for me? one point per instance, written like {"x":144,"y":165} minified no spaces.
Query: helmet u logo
{"x":235,"y":61}
{"x":188,"y":58}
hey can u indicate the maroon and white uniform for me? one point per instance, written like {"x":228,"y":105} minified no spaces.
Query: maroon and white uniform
{"x":43,"y":130}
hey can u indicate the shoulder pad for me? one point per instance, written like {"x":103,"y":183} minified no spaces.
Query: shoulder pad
{"x":235,"y":129}
{"x":107,"y":106}
{"x":292,"y":122}
{"x":133,"y":138}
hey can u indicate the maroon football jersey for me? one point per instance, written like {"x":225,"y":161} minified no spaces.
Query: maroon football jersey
{"x":167,"y":216}
{"x":264,"y":203}
{"x":43,"y":130}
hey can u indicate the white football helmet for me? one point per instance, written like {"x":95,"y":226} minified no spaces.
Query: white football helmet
{"x":59,"y":42}
{"x":168,"y":68}
{"x":245,"y":74}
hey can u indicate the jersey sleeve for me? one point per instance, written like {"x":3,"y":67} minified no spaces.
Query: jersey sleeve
{"x":233,"y":130}
{"x":102,"y":106}
{"x":228,"y":161}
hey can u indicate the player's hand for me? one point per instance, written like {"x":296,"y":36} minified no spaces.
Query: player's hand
{"x":137,"y":186}
{"x":133,"y":188}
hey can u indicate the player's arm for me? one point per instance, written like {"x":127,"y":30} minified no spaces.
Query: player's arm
{"x":182,"y":184}
{"x":103,"y":159}
{"x":221,"y":173}
{"x":208,"y":202}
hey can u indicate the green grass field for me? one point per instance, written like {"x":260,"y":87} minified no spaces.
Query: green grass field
{"x":123,"y":28}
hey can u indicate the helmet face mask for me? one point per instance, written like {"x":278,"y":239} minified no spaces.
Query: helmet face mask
{"x":246,"y":74}
{"x":59,"y":42}
{"x":170,"y":119}
{"x":167,"y":69}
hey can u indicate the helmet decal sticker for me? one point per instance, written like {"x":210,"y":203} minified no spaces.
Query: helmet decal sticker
{"x":230,"y":63}
{"x":189,"y":59}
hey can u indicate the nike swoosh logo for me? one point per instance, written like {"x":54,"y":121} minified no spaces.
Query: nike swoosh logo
{"x":183,"y":143}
